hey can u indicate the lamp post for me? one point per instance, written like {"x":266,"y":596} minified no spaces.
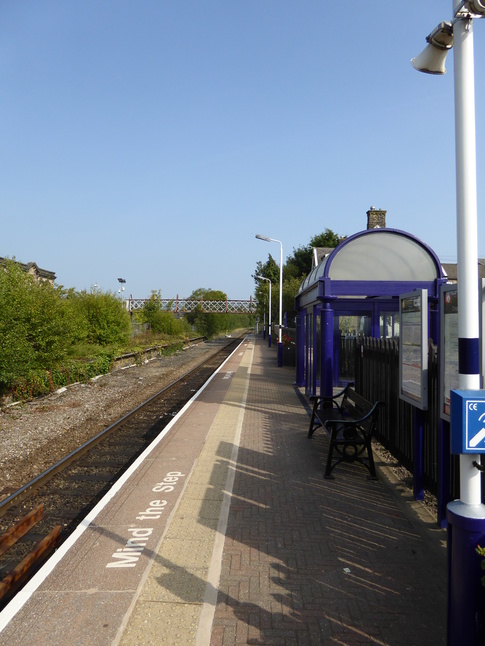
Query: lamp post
{"x":122,"y":283}
{"x":269,"y":313}
{"x":280,"y":327}
{"x":466,"y":517}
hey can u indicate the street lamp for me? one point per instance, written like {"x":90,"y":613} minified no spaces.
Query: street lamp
{"x":122,"y":282}
{"x":280,"y":327}
{"x":269,"y":315}
{"x":466,"y":517}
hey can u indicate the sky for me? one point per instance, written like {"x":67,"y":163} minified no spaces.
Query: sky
{"x":153,"y":139}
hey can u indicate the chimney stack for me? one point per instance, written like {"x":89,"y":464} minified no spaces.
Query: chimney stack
{"x":376,"y":218}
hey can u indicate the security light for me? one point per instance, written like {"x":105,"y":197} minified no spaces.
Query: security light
{"x":432,"y":58}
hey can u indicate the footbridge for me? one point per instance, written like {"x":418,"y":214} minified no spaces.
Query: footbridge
{"x":182,"y":305}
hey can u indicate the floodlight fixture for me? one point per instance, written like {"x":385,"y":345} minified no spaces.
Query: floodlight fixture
{"x":432,"y":58}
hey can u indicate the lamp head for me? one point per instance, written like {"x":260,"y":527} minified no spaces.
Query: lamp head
{"x":432,"y":58}
{"x":476,"y":7}
{"x":265,"y":238}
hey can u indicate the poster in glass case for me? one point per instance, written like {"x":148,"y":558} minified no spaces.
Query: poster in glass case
{"x":413,"y":348}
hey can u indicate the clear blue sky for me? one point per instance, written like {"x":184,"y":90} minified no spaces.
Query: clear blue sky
{"x":152,"y":139}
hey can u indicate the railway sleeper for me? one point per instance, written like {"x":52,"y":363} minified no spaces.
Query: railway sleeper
{"x":10,"y":584}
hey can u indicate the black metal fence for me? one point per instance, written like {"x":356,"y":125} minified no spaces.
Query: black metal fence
{"x":376,"y":376}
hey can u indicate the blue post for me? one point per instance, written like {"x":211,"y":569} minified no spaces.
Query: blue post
{"x":444,"y":475}
{"x":326,"y":364}
{"x":300,"y":349}
{"x":466,"y":598}
{"x":418,"y":458}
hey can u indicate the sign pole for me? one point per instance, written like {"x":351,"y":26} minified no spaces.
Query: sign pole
{"x":466,"y":517}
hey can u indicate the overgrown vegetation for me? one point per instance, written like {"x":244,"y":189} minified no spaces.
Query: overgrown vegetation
{"x":51,"y":337}
{"x":161,"y":321}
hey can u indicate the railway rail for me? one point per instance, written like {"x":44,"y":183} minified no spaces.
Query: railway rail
{"x":57,"y":500}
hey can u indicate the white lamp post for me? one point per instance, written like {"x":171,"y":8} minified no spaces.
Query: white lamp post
{"x":280,"y":326}
{"x":269,"y":314}
{"x":466,"y":517}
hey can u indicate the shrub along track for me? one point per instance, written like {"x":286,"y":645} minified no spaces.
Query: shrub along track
{"x":69,"y":489}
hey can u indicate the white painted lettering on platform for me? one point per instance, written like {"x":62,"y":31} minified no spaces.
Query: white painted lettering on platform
{"x":129,"y":555}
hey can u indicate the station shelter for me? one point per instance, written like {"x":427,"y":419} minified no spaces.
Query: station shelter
{"x":353,"y":290}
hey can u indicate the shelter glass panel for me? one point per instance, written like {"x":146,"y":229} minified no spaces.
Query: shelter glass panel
{"x":318,"y":343}
{"x":309,"y":353}
{"x":389,"y":325}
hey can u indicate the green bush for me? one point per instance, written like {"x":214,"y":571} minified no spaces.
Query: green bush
{"x":41,"y":382}
{"x":40,"y":324}
{"x":51,"y":337}
{"x":106,"y":320}
{"x":210,"y":324}
{"x":36,"y":327}
{"x":161,"y":321}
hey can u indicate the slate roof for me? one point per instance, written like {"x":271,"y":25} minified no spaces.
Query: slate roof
{"x":451,"y":270}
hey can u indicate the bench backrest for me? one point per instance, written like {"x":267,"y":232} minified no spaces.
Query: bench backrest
{"x":355,"y":403}
{"x":357,"y":406}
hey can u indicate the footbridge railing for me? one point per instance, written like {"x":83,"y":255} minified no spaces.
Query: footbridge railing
{"x":181,"y":305}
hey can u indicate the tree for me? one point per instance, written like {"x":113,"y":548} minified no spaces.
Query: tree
{"x":300,"y":264}
{"x":270,"y":269}
{"x":107,"y":320}
{"x":36,"y":324}
{"x":162,"y":321}
{"x":207,"y":295}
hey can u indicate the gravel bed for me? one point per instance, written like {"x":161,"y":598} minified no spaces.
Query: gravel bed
{"x":36,"y":434}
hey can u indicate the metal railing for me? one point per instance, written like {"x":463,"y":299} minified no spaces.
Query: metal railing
{"x":181,"y":305}
{"x":376,"y":376}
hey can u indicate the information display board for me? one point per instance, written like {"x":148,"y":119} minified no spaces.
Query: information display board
{"x":448,"y":347}
{"x":413,"y":348}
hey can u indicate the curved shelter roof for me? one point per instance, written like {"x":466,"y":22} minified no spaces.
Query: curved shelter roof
{"x":372,"y":263}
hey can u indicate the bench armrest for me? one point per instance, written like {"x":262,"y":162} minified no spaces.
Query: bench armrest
{"x":353,"y":420}
{"x":327,"y":398}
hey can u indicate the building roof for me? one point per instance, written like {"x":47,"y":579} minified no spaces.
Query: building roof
{"x":33,"y":269}
{"x":451,"y":270}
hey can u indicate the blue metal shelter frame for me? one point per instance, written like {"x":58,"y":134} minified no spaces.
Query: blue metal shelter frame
{"x":363,"y":276}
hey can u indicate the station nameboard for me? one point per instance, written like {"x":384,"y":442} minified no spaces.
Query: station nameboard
{"x":413,"y":348}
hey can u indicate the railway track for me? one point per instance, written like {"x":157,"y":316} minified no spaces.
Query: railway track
{"x":56,"y":501}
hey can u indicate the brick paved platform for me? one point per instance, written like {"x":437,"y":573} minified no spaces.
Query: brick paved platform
{"x":304,"y":561}
{"x":314,"y":561}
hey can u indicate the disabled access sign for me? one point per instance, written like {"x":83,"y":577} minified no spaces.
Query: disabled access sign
{"x":468,"y":421}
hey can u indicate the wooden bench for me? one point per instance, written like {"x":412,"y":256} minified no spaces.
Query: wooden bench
{"x":351,"y":421}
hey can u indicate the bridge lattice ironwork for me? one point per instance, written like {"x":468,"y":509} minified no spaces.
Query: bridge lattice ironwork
{"x":181,"y":305}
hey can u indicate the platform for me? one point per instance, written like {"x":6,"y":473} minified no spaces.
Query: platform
{"x":225,"y":532}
